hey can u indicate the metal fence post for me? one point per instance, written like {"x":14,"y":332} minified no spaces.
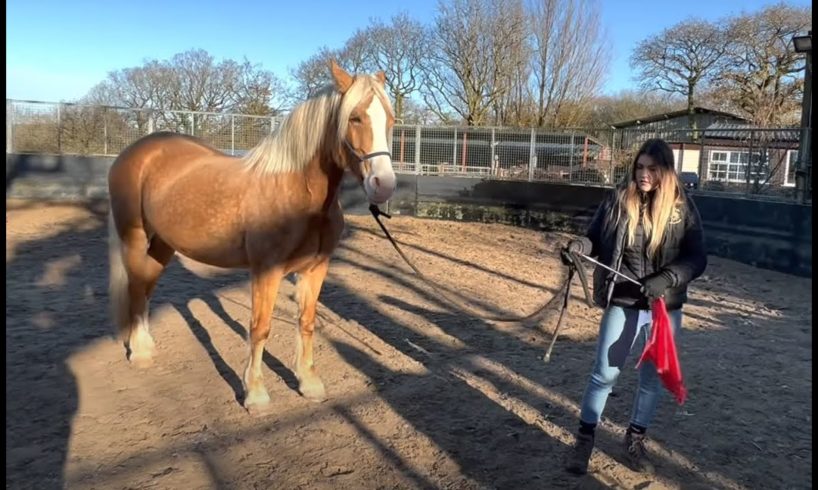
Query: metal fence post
{"x":749,"y":167}
{"x":454,"y":148}
{"x":232,"y":134}
{"x":571,"y":157}
{"x":611,"y":158}
{"x":9,"y":127}
{"x":59,"y":129}
{"x":493,"y":161}
{"x":532,"y":154}
{"x":702,"y":150}
{"x":417,"y":150}
{"x":803,"y":168}
{"x":104,"y":131}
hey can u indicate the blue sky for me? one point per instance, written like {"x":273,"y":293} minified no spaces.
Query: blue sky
{"x":57,"y":49}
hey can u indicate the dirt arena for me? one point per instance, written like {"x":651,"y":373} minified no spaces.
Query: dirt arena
{"x":420,"y":396}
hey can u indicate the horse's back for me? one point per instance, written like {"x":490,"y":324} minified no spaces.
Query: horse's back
{"x":171,"y":147}
{"x":162,"y":154}
{"x":187,"y":193}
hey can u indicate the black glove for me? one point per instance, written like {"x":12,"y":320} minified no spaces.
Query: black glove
{"x":574,"y":246}
{"x":655,"y":285}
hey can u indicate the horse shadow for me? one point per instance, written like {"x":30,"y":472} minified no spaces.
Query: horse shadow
{"x":205,"y":289}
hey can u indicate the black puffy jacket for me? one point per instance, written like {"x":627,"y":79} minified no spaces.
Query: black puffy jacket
{"x":681,"y":256}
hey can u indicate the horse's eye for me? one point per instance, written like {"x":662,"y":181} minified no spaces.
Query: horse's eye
{"x":355,"y":120}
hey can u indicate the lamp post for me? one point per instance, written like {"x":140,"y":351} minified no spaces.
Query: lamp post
{"x":803,"y":171}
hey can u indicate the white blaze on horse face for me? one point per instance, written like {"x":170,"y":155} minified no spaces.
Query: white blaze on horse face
{"x":380,"y":183}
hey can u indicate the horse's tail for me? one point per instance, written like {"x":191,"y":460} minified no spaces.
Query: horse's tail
{"x":117,"y":280}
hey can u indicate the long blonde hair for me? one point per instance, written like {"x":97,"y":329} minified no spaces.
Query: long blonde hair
{"x":666,"y":197}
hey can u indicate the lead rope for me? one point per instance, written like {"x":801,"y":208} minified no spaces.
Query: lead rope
{"x":576,"y":265}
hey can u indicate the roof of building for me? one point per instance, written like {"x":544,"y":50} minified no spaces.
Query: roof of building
{"x":674,"y":114}
{"x":735,"y":131}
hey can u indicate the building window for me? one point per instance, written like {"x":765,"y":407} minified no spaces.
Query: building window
{"x":792,"y":164}
{"x":732,"y":166}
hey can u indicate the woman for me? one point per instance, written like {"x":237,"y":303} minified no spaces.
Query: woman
{"x":649,"y":230}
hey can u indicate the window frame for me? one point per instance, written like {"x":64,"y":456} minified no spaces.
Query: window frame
{"x":726,"y":167}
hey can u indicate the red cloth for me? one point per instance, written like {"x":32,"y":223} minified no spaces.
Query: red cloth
{"x":661,"y":350}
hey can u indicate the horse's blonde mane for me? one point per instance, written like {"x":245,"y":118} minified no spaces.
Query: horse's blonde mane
{"x":291,"y":147}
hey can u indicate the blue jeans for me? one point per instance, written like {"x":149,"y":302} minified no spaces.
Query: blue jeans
{"x":618,"y":332}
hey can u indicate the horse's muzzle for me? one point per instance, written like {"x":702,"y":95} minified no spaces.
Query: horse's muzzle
{"x":380,"y":182}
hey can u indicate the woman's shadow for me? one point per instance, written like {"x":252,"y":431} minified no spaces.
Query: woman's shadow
{"x":55,"y":307}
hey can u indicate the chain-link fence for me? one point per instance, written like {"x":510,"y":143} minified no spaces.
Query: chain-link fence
{"x":37,"y":127}
{"x":720,"y":158}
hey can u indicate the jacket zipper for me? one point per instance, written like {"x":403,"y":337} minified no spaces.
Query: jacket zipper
{"x":644,"y":247}
{"x":617,"y":265}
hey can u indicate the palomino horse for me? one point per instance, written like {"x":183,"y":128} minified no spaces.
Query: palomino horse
{"x":274,"y":211}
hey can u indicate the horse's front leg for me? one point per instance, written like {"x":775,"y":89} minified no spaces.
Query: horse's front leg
{"x":309,"y":287}
{"x":265,"y":284}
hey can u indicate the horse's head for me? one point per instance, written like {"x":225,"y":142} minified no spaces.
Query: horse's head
{"x":364,"y":130}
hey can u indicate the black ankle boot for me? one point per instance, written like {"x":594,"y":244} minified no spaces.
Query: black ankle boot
{"x":637,"y":453}
{"x":580,"y":454}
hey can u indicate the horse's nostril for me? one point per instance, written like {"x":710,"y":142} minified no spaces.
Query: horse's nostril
{"x":377,"y":182}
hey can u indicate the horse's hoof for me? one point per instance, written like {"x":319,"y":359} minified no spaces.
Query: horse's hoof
{"x":313,"y":391}
{"x":142,"y":360}
{"x":258,"y":410}
{"x":257,"y":402}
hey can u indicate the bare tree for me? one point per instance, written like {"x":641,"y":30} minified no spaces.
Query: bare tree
{"x":145,"y":86}
{"x":258,"y":92}
{"x":604,"y":111}
{"x":466,"y":69}
{"x":193,"y":81}
{"x":200,"y":84}
{"x":312,"y":74}
{"x":681,"y":59}
{"x":762,"y":79}
{"x":513,"y":107}
{"x":415,"y":112}
{"x":356,"y":53}
{"x":396,"y":48}
{"x":570,"y":58}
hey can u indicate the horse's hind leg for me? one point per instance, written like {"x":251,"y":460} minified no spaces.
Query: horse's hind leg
{"x":265,"y":283}
{"x":136,"y":265}
{"x":309,"y":287}
{"x":159,"y":255}
{"x":148,"y":266}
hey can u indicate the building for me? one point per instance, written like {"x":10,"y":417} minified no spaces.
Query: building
{"x":724,"y":150}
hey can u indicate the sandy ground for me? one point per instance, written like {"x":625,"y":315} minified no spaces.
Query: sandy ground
{"x":420,"y":395}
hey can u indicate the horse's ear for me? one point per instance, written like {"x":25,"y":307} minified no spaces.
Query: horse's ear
{"x":380,"y":76}
{"x":343,"y":80}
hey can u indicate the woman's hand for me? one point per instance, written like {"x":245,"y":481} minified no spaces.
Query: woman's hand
{"x":655,"y":285}
{"x":574,"y":246}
